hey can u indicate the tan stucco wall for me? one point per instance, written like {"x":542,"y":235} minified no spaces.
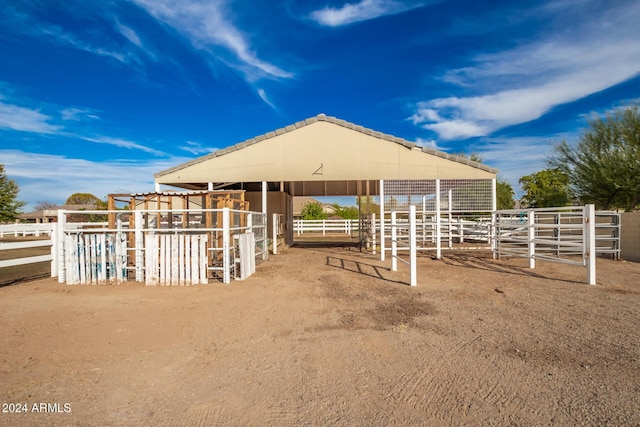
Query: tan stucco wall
{"x":630,"y":236}
{"x":277,"y":202}
{"x":323,"y":151}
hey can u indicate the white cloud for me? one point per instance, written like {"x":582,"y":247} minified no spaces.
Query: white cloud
{"x":364,"y":10}
{"x":265,"y":99}
{"x":518,"y":156}
{"x":524,"y":83}
{"x":196,"y":148}
{"x":14,"y":117}
{"x":78,"y":114}
{"x":119,"y":142}
{"x":64,"y":176}
{"x":429,"y":143}
{"x":205,"y":25}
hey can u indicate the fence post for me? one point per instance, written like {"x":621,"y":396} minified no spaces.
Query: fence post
{"x":394,"y":242}
{"x":438,"y":222}
{"x":139,"y":245}
{"x":54,"y":252}
{"x":589,"y":220}
{"x":62,"y":220}
{"x":412,"y":247}
{"x":382,"y":243}
{"x":226,"y":245}
{"x":373,"y":231}
{"x":531,"y":252}
{"x":274,"y":226}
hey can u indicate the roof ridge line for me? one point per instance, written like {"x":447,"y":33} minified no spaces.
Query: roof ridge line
{"x":322,"y":117}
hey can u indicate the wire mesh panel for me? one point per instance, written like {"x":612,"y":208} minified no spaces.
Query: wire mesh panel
{"x":451,"y":212}
{"x":458,"y":195}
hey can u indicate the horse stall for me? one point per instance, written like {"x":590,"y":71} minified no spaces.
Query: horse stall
{"x":162,"y":238}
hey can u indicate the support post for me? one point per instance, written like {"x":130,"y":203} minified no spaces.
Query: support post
{"x":590,"y":242}
{"x":394,"y":242}
{"x":138,"y":246}
{"x":382,"y":242}
{"x":494,"y":217}
{"x":274,"y":226}
{"x":531,"y":234}
{"x":413,"y":281}
{"x":60,"y":226}
{"x":373,"y":231}
{"x":438,"y":222}
{"x":226,"y":246}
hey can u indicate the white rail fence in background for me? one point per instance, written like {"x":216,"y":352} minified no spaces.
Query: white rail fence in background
{"x":325,"y":226}
{"x":24,"y":230}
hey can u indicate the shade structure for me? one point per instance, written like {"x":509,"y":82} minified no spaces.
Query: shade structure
{"x":320,"y":156}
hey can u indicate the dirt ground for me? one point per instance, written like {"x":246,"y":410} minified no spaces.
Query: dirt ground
{"x":330,"y":336}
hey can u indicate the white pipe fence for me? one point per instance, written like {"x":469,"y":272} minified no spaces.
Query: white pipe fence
{"x":325,"y":226}
{"x":403,"y":238}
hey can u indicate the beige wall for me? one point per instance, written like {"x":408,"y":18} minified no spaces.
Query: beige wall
{"x":630,"y":236}
{"x":321,"y":151}
{"x":277,"y":202}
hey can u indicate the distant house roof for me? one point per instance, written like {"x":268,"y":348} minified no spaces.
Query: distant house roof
{"x":300,"y":202}
{"x":321,"y":149}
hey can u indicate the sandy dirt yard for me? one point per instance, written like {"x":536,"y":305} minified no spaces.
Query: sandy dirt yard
{"x":330,"y":336}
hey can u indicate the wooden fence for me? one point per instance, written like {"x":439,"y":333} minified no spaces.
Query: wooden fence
{"x":161,"y":247}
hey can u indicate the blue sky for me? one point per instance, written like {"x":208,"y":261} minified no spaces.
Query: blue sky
{"x":97,"y":96}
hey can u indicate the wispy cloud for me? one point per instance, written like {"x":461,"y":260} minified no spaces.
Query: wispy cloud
{"x":122,"y":143}
{"x":364,"y":10}
{"x":516,"y":157}
{"x":64,"y":176}
{"x":207,"y":27}
{"x":524,"y":83}
{"x":263,"y":95}
{"x":196,"y":148}
{"x":23,"y":119}
{"x":78,"y":114}
{"x":17,"y":118}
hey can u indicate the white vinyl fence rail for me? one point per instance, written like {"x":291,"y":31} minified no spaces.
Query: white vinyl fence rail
{"x":31,"y":259}
{"x":325,"y":226}
{"x":24,"y":230}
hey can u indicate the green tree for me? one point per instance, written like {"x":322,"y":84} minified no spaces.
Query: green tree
{"x":504,"y":194}
{"x":347,"y":212}
{"x":603,"y":167}
{"x":85,"y":199}
{"x":91,"y":202}
{"x":10,"y":207}
{"x":313,"y":210}
{"x":546,"y":188}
